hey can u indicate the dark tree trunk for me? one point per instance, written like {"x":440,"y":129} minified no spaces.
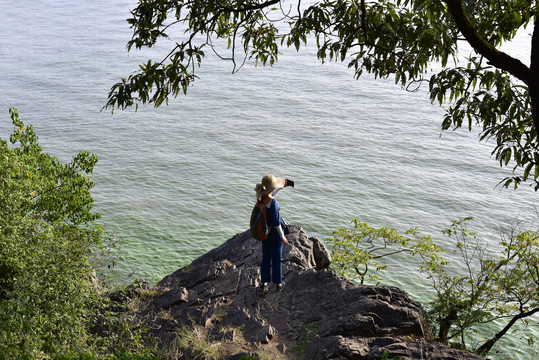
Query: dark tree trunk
{"x":501,"y":60}
{"x":445,"y":325}
{"x":533,"y":85}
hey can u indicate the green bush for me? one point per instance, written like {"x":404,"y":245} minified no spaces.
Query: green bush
{"x":47,"y":232}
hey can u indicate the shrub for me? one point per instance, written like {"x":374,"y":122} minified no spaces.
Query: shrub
{"x":47,"y":231}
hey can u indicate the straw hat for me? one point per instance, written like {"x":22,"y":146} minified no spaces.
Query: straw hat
{"x":268,"y":184}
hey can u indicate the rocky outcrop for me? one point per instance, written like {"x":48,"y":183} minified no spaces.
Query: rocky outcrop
{"x":317,"y":316}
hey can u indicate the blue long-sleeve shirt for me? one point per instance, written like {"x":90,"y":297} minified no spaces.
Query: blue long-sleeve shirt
{"x":274,"y":219}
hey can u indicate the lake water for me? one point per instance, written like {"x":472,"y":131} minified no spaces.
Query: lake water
{"x":176,"y":181}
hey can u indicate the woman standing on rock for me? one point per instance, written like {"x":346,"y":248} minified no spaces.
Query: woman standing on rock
{"x":272,"y":247}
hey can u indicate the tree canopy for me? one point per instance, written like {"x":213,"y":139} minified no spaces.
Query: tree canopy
{"x":396,"y":39}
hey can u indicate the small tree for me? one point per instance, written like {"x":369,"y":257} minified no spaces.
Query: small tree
{"x":474,"y":289}
{"x":358,"y":251}
{"x":487,"y":288}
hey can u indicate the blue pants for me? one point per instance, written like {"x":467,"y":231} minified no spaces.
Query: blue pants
{"x":270,"y":267}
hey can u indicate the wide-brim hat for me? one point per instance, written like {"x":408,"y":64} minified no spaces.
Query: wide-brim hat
{"x":268,"y":184}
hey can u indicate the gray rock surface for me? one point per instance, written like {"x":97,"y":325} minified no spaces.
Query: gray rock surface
{"x":317,"y":316}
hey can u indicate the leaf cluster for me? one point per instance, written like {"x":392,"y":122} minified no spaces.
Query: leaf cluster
{"x":490,"y":99}
{"x":47,"y":231}
{"x":487,"y":288}
{"x":358,"y":253}
{"x":244,"y":24}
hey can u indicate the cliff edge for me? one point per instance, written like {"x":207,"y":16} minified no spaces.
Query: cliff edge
{"x":317,"y":316}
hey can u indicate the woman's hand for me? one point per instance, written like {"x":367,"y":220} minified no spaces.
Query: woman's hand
{"x":285,"y":242}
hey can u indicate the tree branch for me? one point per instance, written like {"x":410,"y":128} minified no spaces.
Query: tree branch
{"x":250,"y":8}
{"x":391,"y":253}
{"x":495,"y":57}
{"x":534,"y":65}
{"x":485,"y":348}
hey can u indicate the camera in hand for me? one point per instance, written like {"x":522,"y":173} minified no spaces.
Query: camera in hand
{"x":288,"y":182}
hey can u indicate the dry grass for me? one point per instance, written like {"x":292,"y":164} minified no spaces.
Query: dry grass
{"x":192,"y":343}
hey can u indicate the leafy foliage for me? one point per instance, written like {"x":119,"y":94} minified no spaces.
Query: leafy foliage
{"x":359,"y":250}
{"x":474,"y":288}
{"x":487,"y":287}
{"x":402,"y":39}
{"x":47,"y":230}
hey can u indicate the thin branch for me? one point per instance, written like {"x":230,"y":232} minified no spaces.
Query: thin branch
{"x":391,"y":253}
{"x":174,"y":23}
{"x":250,"y":8}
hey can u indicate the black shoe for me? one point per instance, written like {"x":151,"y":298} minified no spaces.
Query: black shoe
{"x":264,"y":287}
{"x":280,"y":286}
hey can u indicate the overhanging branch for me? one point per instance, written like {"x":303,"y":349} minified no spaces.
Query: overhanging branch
{"x":495,"y":57}
{"x":252,"y":7}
